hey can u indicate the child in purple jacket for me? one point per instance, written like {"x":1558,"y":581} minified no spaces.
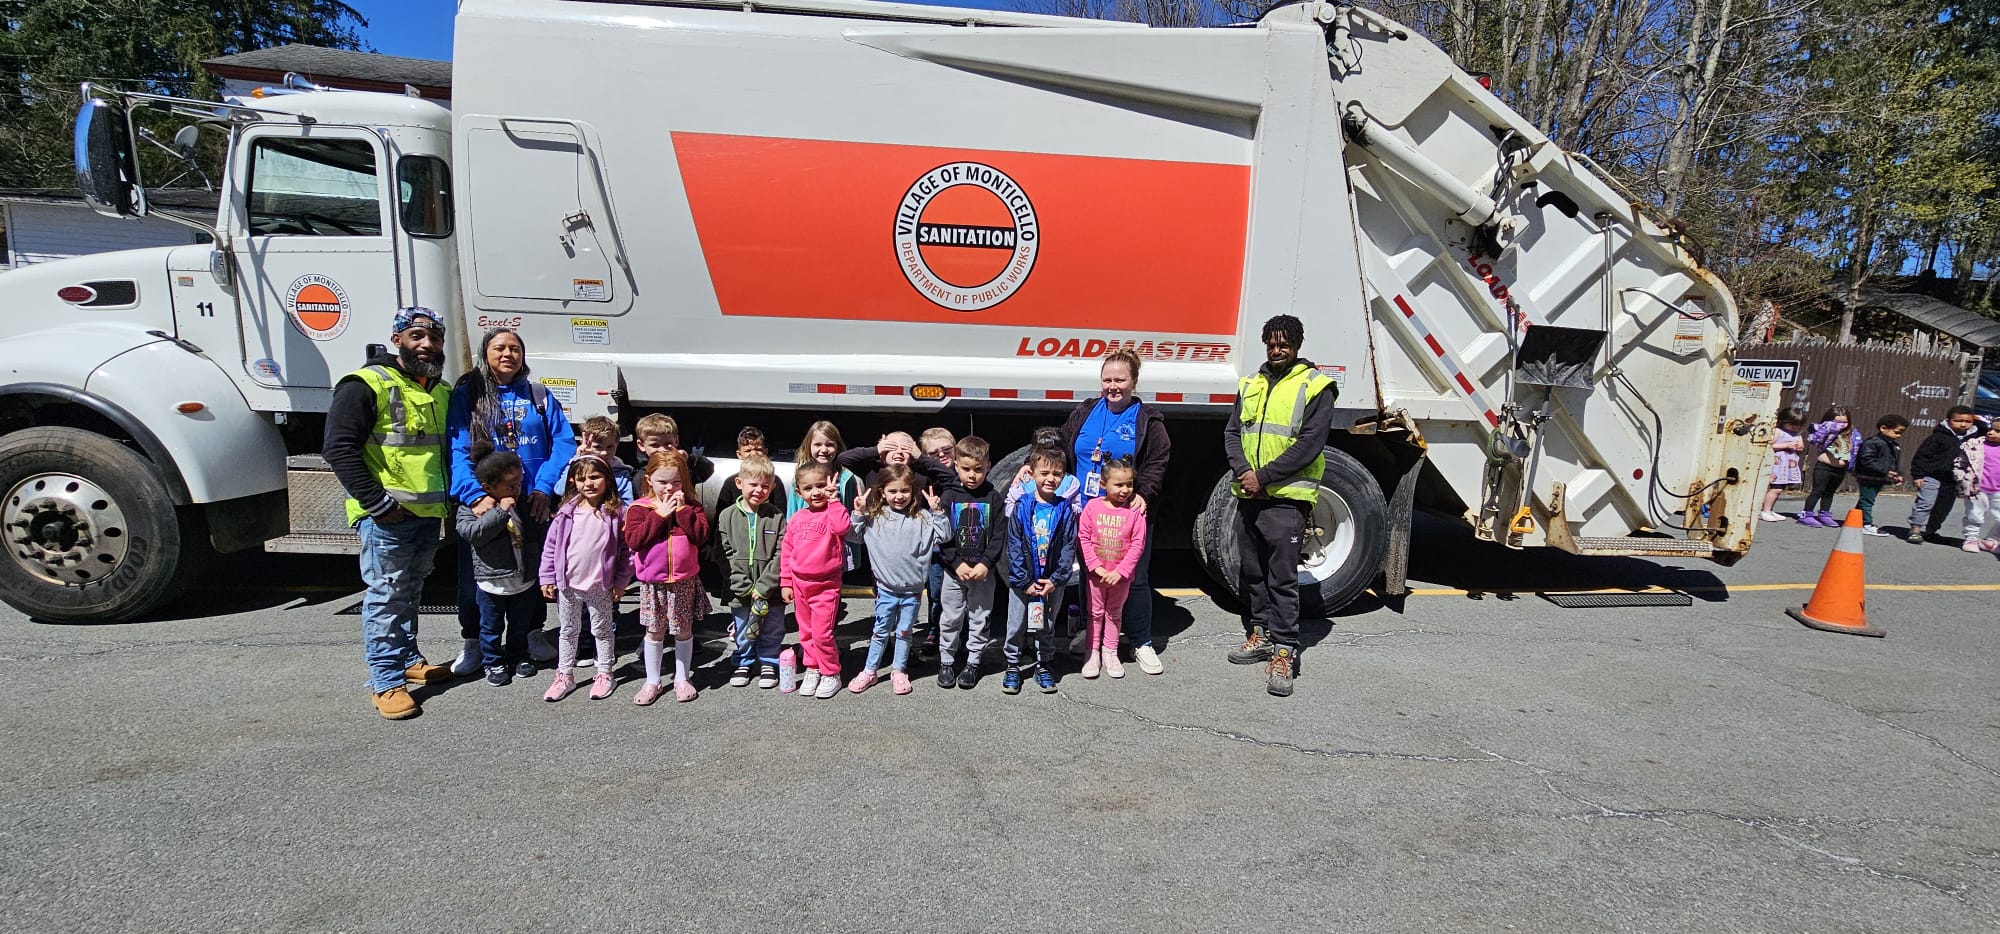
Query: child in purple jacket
{"x":585,"y":566}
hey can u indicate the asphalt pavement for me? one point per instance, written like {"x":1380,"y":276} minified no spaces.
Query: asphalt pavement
{"x":1472,"y":757}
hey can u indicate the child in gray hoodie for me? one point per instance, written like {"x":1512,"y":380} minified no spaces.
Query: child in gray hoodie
{"x":901,"y":539}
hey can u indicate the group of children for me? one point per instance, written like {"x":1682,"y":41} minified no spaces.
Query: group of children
{"x":1962,"y":456}
{"x":918,"y":514}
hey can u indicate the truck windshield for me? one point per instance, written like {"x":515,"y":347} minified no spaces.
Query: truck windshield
{"x":314,"y":188}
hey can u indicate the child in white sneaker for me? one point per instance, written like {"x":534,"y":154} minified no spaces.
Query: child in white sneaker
{"x":666,"y":529}
{"x":748,"y":535}
{"x":809,"y":565}
{"x":1982,"y":508}
{"x":1110,"y":536}
{"x":1786,"y":448}
{"x":585,"y":566}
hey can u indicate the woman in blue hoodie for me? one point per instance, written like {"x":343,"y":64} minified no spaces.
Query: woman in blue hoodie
{"x":496,"y":407}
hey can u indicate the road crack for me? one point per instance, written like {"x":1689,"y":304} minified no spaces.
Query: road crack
{"x":1774,"y":827}
{"x":1280,"y":745}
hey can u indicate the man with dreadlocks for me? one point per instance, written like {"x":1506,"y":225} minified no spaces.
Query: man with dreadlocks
{"x":1276,"y":448}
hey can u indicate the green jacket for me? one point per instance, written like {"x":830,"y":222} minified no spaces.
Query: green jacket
{"x":751,"y":561}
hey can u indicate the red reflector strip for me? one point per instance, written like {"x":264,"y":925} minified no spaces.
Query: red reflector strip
{"x":1222,"y":398}
{"x":832,"y":389}
{"x":1064,"y":395}
{"x":1166,"y":397}
{"x":1450,"y":366}
{"x":1003,"y":393}
{"x":888,"y":390}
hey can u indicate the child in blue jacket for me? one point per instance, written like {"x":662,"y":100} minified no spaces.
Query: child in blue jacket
{"x":1041,"y":557}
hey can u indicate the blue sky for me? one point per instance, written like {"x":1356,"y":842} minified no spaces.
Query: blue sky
{"x":422,"y":28}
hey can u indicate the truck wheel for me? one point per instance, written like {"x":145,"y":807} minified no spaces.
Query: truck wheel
{"x":1002,"y":474}
{"x":89,"y":527}
{"x":1346,"y":541}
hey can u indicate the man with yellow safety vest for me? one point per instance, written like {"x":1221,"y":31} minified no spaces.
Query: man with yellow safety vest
{"x":385,"y":441}
{"x":1276,"y":447}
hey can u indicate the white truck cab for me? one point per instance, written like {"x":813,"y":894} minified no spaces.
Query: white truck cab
{"x":895,"y":217}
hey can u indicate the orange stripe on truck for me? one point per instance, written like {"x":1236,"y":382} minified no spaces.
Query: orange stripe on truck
{"x":796,"y":228}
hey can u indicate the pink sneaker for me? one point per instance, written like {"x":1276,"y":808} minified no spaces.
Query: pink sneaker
{"x":602,"y":685}
{"x":900,"y":682}
{"x":1972,"y":546}
{"x":1090,"y":665}
{"x":559,"y":688}
{"x":684,"y":691}
{"x":1989,"y":545}
{"x":862,"y":682}
{"x":1112,"y":666}
{"x":648,"y":693}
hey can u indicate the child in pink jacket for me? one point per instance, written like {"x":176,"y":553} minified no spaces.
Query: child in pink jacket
{"x":665,"y":529}
{"x":809,"y":565}
{"x":1112,"y":534}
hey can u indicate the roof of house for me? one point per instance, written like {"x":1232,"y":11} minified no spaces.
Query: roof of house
{"x":1939,"y":315}
{"x":185,"y":199}
{"x":364,"y":71}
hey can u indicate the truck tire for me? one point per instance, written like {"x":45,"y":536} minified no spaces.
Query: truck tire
{"x":1346,"y":541}
{"x":90,"y":530}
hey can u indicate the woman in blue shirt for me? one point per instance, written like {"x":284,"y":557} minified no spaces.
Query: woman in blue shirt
{"x":1114,"y":425}
{"x":496,"y":407}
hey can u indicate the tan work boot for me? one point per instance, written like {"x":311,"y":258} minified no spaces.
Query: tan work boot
{"x":1255,"y":648}
{"x":396,"y":704}
{"x":427,"y":673}
{"x":1278,"y":677}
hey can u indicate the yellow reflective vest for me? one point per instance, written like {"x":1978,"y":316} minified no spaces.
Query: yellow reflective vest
{"x":406,"y":446}
{"x":1272,"y":418}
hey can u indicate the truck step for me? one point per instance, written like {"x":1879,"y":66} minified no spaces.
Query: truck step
{"x":317,"y":543}
{"x":1640,"y":546}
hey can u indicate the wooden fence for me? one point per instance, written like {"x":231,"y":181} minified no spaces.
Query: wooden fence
{"x":1871,"y":379}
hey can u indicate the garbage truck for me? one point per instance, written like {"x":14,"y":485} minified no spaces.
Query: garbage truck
{"x":891,"y":216}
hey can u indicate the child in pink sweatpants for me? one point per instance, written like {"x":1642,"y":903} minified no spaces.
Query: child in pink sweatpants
{"x":1112,"y":534}
{"x":809,"y":565}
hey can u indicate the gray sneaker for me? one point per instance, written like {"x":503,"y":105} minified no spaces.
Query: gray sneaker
{"x":1916,"y":537}
{"x":1278,"y":677}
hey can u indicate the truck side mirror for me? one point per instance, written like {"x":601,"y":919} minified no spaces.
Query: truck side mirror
{"x":107,"y":167}
{"x":373,"y":351}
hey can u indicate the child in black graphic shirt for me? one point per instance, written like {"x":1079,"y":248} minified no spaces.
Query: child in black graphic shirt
{"x":971,"y":562}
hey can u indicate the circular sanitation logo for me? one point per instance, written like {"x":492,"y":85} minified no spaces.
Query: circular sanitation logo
{"x":966,"y":236}
{"x":318,"y":306}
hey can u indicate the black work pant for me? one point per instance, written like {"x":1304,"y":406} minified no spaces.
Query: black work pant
{"x":1267,"y":543}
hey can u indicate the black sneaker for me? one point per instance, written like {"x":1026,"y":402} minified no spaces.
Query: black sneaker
{"x":1255,"y":648}
{"x":499,"y":676}
{"x":947,"y":676}
{"x":1278,"y":677}
{"x":969,"y":678}
{"x":525,"y":668}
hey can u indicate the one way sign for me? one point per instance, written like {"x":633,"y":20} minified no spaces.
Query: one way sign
{"x":1783,"y":372}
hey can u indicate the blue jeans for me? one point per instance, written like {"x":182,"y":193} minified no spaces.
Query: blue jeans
{"x":770,"y":637}
{"x":505,"y":619}
{"x":895,"y":613}
{"x":395,"y":559}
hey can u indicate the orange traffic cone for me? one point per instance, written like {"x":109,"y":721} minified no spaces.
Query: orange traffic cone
{"x":1839,"y":601}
